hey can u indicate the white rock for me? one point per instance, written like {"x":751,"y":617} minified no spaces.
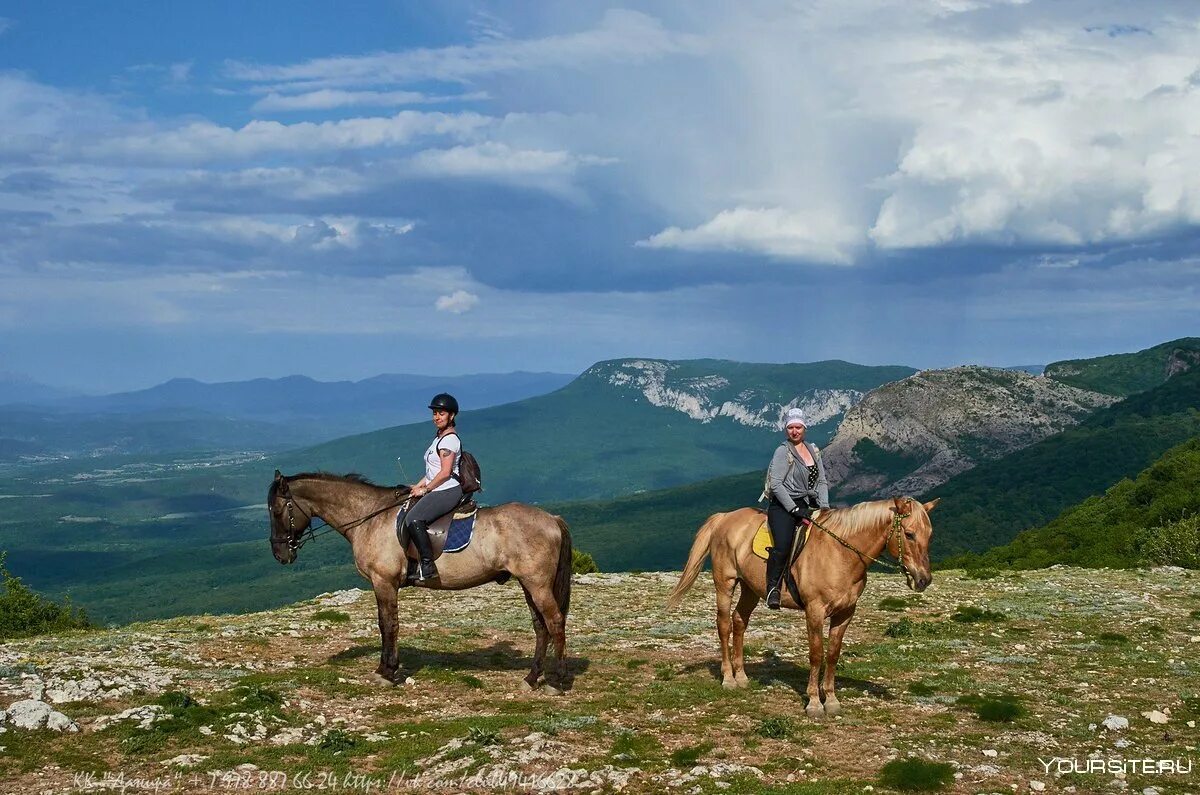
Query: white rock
{"x":58,"y":722}
{"x":991,"y":752}
{"x":408,"y":680}
{"x":29,"y":714}
{"x":185,"y":760}
{"x":1116,"y":723}
{"x":1150,"y":791}
{"x":1154,"y":716}
{"x":1037,"y":786}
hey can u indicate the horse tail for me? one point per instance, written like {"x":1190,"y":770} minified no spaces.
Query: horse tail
{"x":700,"y":549}
{"x":562,"y":577}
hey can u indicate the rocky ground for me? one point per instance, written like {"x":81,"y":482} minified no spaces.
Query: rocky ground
{"x":1013,"y":683}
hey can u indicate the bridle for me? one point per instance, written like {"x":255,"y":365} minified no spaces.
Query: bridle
{"x":296,"y":540}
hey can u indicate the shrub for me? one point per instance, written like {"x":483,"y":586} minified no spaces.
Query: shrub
{"x":994,"y":709}
{"x":1174,"y":543}
{"x":921,"y":689}
{"x":481,"y":736}
{"x":582,"y":563}
{"x":893,"y":603}
{"x":337,"y":741}
{"x":23,"y":613}
{"x":1113,"y":637}
{"x":687,"y":757}
{"x":969,"y":614}
{"x":916,"y":775}
{"x":776,"y":728}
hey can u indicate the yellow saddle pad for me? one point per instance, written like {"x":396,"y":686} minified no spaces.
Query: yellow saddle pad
{"x":762,"y":539}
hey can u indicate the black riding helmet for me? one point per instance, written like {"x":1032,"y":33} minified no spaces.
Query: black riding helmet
{"x":444,"y":401}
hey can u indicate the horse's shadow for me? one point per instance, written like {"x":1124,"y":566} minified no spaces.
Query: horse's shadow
{"x":773,"y":669}
{"x":500,"y":656}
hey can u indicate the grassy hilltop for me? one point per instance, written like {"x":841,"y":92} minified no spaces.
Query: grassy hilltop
{"x":966,"y":685}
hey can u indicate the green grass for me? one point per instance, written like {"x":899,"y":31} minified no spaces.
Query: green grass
{"x":334,"y":616}
{"x":631,"y":748}
{"x":916,"y":775}
{"x":993,"y":709}
{"x":1113,"y":637}
{"x":970,"y":614}
{"x":687,"y":757}
{"x":776,"y":728}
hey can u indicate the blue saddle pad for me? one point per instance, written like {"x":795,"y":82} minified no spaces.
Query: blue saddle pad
{"x":459,"y":534}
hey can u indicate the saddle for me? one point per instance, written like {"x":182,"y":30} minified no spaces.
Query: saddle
{"x":440,"y":530}
{"x":762,"y":538}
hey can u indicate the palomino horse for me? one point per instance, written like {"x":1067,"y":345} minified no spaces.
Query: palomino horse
{"x":831,"y":573}
{"x":509,"y":540}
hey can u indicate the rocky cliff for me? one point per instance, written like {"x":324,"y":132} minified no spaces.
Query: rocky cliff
{"x":914,"y":434}
{"x":709,"y":396}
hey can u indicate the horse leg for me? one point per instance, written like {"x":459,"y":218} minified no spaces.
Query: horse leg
{"x":547,"y":607}
{"x":389,"y":657}
{"x":837,"y":628}
{"x":815,"y":619}
{"x":725,"y":588}
{"x":747,"y":601}
{"x":539,"y":654}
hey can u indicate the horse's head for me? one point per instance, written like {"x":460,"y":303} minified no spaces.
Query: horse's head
{"x":288,"y":520}
{"x":909,"y":540}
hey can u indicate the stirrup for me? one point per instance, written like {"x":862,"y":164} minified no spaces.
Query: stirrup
{"x":773,"y":597}
{"x":426,"y":570}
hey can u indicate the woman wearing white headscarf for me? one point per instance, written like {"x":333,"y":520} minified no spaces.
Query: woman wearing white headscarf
{"x":798,"y":486}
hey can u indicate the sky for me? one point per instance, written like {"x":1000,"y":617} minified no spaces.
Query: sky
{"x":226,"y":190}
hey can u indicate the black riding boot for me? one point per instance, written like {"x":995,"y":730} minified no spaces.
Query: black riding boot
{"x":426,"y":570}
{"x":775,"y":565}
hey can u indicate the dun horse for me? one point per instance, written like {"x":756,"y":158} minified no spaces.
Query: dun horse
{"x":831,"y":573}
{"x":509,"y":540}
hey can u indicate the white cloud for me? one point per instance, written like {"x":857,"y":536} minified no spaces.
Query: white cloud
{"x":772,"y":231}
{"x":6,"y":24}
{"x":622,"y":35}
{"x":457,"y":302}
{"x":497,"y":159}
{"x":329,"y":99}
{"x":204,"y":140}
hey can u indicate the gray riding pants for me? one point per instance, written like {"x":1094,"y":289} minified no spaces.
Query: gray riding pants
{"x":433,"y":505}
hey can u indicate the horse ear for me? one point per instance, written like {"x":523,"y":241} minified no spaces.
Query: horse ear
{"x":929,"y":506}
{"x":898,"y":504}
{"x":278,"y":476}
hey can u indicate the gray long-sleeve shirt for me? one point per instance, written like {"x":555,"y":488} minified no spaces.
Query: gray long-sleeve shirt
{"x":789,"y":484}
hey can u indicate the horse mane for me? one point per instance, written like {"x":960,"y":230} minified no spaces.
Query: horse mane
{"x":350,"y":477}
{"x":848,"y":522}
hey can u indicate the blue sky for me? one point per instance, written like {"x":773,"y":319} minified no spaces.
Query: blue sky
{"x":242,"y":189}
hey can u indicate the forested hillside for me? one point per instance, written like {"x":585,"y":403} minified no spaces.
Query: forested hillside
{"x":992,"y":503}
{"x":1152,"y":519}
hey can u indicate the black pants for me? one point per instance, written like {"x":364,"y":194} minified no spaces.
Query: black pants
{"x":782,"y":526}
{"x":434,"y":505}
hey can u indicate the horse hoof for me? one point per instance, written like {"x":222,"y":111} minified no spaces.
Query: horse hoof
{"x":382,"y":680}
{"x":551,"y":690}
{"x":833,"y":709}
{"x":814,"y":711}
{"x":729,"y":683}
{"x":742,"y":680}
{"x":525,"y":687}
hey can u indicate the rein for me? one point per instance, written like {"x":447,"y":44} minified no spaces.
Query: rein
{"x":897,"y":530}
{"x":295,"y":542}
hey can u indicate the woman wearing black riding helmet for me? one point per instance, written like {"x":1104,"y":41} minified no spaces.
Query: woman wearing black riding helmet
{"x":440,"y":491}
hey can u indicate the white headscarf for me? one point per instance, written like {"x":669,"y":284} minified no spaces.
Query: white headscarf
{"x":795,"y":417}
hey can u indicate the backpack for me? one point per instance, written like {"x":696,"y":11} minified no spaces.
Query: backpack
{"x":468,"y":472}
